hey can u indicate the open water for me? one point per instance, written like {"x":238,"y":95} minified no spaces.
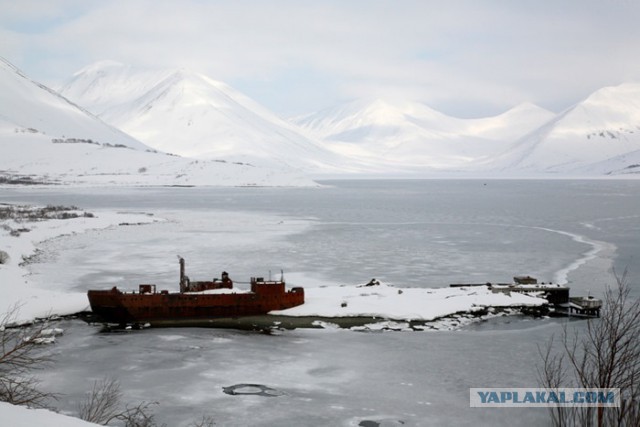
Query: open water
{"x":422,"y":233}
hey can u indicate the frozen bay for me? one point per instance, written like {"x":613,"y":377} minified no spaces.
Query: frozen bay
{"x":408,"y":233}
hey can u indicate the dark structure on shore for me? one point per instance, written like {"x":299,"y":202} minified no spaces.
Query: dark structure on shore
{"x":558,"y":296}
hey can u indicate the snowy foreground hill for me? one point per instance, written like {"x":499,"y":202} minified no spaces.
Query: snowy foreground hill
{"x":19,"y":416}
{"x":46,"y":138}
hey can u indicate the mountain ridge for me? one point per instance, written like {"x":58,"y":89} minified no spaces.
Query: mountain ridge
{"x":47,"y":139}
{"x":604,"y":126}
{"x":415,"y":134}
{"x":187,"y":113}
{"x":70,"y":120}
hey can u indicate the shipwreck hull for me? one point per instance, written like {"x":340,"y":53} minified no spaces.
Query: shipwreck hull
{"x":197,"y":301}
{"x":115,"y":306}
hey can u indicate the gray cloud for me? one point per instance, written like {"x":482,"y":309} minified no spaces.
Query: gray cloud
{"x":464,"y":57}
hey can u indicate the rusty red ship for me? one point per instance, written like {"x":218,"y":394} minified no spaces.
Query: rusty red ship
{"x":197,"y":301}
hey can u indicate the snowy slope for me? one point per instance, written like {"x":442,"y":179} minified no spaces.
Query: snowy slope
{"x":416,"y":135}
{"x":48,"y":138}
{"x":20,"y":416}
{"x":510,"y":125}
{"x":624,"y":165}
{"x":31,"y":107}
{"x":189,"y":114}
{"x":600,"y":131}
{"x":36,"y":157}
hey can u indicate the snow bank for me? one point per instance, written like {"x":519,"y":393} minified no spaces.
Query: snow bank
{"x":19,"y":416}
{"x":388,"y":302}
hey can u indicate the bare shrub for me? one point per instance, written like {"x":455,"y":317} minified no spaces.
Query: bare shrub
{"x":4,"y":257}
{"x":103,"y":405}
{"x":102,"y":402}
{"x":34,"y":214}
{"x":23,"y":391}
{"x":205,"y":421}
{"x":21,"y":354}
{"x":607,"y":356}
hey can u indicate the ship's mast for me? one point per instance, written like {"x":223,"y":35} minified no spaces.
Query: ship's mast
{"x":182,"y":276}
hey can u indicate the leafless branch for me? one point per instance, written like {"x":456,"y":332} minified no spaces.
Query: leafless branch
{"x":607,"y":355}
{"x":103,"y":405}
{"x":20,"y":354}
{"x":206,"y":421}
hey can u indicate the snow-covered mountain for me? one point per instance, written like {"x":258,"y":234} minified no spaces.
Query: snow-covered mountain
{"x":28,"y":106}
{"x":189,"y":114}
{"x":416,"y":135}
{"x":597,"y":135}
{"x":47,"y":138}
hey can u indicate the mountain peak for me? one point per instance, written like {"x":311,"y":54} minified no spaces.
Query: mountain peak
{"x":528,"y":107}
{"x":100,"y":67}
{"x":187,"y":113}
{"x":603,"y":126}
{"x":611,"y":96}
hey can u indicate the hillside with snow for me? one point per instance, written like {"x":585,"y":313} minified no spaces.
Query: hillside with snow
{"x":29,"y":107}
{"x":45,"y":138}
{"x":189,"y":114}
{"x":139,"y":116}
{"x":600,"y":135}
{"x":417,"y":136}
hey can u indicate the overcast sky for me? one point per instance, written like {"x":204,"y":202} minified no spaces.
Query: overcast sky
{"x":465,"y":58}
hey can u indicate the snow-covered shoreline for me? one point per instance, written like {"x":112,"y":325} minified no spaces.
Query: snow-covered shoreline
{"x":386,"y":302}
{"x":19,"y":240}
{"x":380,"y":302}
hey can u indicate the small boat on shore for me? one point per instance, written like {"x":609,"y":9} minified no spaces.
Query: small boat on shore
{"x":195,"y":303}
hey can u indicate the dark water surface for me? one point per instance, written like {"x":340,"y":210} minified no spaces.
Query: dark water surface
{"x":411,"y":233}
